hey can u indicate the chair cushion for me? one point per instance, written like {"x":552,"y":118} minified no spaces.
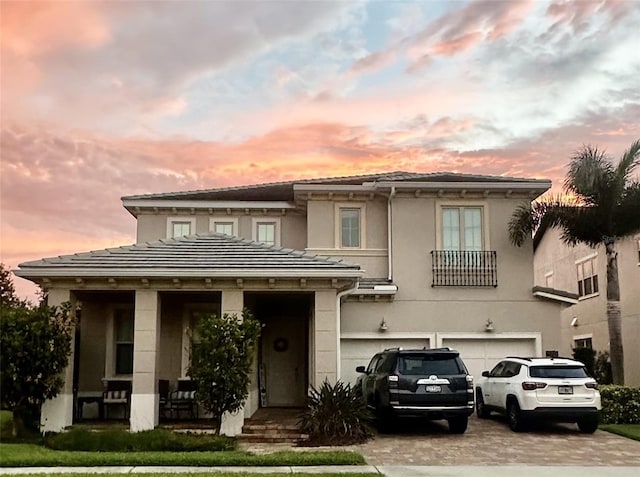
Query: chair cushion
{"x":183,"y":395}
{"x":116,"y":396}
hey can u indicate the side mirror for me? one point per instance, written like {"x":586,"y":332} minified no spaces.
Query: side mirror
{"x":360,"y":369}
{"x":485,"y":374}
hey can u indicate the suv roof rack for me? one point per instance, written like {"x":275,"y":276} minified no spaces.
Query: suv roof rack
{"x":540,"y":357}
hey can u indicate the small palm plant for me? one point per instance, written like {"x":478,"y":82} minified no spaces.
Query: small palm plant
{"x":335,"y":415}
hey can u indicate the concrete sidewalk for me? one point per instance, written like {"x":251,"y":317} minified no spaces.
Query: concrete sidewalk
{"x":387,"y":470}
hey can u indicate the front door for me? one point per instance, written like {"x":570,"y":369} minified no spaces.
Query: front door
{"x":284,"y":361}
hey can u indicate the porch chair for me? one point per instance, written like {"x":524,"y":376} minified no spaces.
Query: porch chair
{"x":163,"y":391}
{"x":117,"y":393}
{"x":184,"y":399}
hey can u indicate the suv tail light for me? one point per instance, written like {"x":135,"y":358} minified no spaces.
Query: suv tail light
{"x":469,"y":381}
{"x":591,"y":385}
{"x":393,"y":381}
{"x":532,"y":386}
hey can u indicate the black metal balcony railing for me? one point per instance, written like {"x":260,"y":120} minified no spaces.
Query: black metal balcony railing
{"x":452,"y":268}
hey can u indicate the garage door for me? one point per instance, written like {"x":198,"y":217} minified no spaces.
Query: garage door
{"x":358,"y":352}
{"x":482,"y":354}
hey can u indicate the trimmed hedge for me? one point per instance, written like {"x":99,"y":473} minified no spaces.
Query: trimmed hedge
{"x":620,"y":405}
{"x":123,"y":441}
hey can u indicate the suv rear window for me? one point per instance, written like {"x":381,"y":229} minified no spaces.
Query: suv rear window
{"x":426,"y":365}
{"x":558,"y":372}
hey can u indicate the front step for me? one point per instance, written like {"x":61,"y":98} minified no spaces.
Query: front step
{"x":267,"y":431}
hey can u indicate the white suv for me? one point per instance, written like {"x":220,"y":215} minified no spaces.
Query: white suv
{"x":557,"y":389}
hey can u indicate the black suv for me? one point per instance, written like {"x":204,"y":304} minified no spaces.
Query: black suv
{"x":431,"y":383}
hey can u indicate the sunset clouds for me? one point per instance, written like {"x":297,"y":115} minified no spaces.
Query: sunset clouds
{"x":105,"y":99}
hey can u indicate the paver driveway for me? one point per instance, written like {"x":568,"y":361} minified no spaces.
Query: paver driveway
{"x":491,"y":442}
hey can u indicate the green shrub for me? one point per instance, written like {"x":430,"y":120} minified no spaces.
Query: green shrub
{"x":123,"y":441}
{"x":602,"y":368}
{"x":335,"y":415}
{"x":620,"y":405}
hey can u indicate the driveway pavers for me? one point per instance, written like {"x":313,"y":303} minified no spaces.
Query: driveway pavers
{"x":490,"y":443}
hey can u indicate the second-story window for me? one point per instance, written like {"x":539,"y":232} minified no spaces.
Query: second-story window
{"x":123,"y":322}
{"x":224,"y":228}
{"x":587,"y":277}
{"x":180,"y":226}
{"x":350,"y":228}
{"x":462,"y":228}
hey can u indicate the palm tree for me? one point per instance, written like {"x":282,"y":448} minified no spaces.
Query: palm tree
{"x":603,"y":206}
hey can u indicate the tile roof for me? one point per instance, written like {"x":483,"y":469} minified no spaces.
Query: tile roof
{"x":196,"y":256}
{"x":284,"y":190}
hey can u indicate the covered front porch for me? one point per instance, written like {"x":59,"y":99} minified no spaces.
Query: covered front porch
{"x":132,"y":343}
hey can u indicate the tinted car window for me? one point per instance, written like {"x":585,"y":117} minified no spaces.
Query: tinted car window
{"x":558,"y":372}
{"x":498,"y":370}
{"x":414,"y":365}
{"x":373,"y":363}
{"x":511,"y":369}
{"x":386,"y":366}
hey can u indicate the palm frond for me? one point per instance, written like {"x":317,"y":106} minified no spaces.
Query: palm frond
{"x":528,"y":218}
{"x":590,"y":174}
{"x":626,"y":216}
{"x":629,"y":161}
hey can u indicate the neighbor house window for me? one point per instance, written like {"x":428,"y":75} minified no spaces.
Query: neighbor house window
{"x":583,"y":343}
{"x":180,"y":226}
{"x":123,"y":321}
{"x":350,"y":228}
{"x":224,"y":225}
{"x":266,"y":231}
{"x":462,"y":228}
{"x":587,"y":277}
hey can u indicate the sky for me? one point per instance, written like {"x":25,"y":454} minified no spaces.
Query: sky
{"x":101,"y":100}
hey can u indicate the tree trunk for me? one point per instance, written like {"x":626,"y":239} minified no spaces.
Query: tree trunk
{"x":614,"y":318}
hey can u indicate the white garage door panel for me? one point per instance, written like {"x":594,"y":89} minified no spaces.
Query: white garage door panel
{"x":482,"y":354}
{"x":358,"y":352}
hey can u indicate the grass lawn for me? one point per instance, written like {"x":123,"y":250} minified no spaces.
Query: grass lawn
{"x":632,"y":431}
{"x":224,"y":474}
{"x":31,"y":455}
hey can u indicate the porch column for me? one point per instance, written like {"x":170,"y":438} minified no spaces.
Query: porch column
{"x":232,"y":303}
{"x":146,"y":340}
{"x":325,"y":337}
{"x":57,"y":413}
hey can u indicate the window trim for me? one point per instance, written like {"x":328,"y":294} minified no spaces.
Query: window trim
{"x":338,"y":206}
{"x":580,"y":262}
{"x":110,"y":341}
{"x":483,"y":205}
{"x":547,"y":276}
{"x":261,"y":220}
{"x":217,"y":219}
{"x":176,"y":219}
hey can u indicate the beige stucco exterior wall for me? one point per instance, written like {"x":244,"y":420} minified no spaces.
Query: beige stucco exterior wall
{"x":553,"y":256}
{"x":152,"y":227}
{"x":325,"y":337}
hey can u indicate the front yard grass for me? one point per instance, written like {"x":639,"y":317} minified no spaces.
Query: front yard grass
{"x":632,"y":431}
{"x":31,"y":455}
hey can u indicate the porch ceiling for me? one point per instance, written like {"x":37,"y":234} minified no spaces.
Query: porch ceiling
{"x":210,"y":255}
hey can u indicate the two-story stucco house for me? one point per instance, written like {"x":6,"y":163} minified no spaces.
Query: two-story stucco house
{"x":336,"y":270}
{"x":583,"y":270}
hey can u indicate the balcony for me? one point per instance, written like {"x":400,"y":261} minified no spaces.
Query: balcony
{"x":452,"y":268}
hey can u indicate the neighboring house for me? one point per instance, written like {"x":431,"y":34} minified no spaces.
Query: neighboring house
{"x":336,"y":270}
{"x":583,"y":270}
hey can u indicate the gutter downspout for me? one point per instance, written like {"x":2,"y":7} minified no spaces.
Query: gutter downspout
{"x":389,"y":235}
{"x":339,"y":296}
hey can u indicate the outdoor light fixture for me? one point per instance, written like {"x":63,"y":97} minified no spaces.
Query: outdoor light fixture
{"x":383,"y":326}
{"x":488,"y":327}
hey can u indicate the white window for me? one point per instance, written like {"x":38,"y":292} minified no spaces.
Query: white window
{"x":191,"y":315}
{"x":583,"y":342}
{"x":587,"y":277}
{"x":462,"y":228}
{"x":224,"y":225}
{"x":266,"y":231}
{"x":123,"y":341}
{"x":350,"y":228}
{"x":180,"y":226}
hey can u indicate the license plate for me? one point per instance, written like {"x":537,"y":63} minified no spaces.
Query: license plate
{"x":433,"y":389}
{"x":565,"y":389}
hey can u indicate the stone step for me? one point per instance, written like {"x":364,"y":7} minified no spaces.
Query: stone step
{"x":272,"y":427}
{"x":272,"y":439}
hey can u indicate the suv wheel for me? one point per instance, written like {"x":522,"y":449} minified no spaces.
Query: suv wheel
{"x":481,"y":410}
{"x":588,"y":424}
{"x":514,"y":416}
{"x":458,"y":424}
